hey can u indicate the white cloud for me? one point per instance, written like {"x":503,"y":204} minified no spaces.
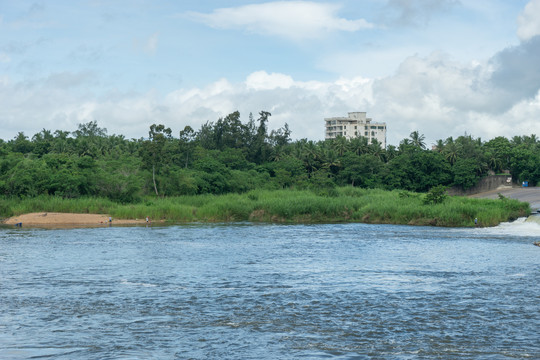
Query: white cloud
{"x":356,"y":62}
{"x":289,"y":19}
{"x":303,"y":105}
{"x":436,"y":95}
{"x":529,"y":21}
{"x":441,"y":97}
{"x":261,"y":80}
{"x":458,"y":85}
{"x":521,"y":119}
{"x":516,"y":72}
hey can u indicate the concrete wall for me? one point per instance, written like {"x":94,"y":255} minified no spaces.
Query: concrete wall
{"x":488,"y":183}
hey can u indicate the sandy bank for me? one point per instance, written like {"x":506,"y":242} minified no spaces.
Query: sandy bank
{"x":65,"y":219}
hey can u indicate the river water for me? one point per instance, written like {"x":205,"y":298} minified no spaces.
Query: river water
{"x":245,"y":291}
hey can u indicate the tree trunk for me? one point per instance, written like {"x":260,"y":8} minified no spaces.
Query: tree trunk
{"x":154,"y":178}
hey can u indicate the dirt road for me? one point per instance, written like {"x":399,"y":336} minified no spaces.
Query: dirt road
{"x":527,"y":194}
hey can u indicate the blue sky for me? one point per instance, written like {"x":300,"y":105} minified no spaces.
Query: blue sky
{"x":442,"y":67}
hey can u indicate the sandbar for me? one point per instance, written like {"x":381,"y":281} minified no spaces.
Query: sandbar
{"x":68,"y":219}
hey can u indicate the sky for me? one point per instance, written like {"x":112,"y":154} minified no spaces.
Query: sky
{"x":441,"y":67}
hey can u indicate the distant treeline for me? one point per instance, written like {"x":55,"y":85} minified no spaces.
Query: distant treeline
{"x":228,"y":156}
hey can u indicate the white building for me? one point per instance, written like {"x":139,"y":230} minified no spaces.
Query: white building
{"x":355,"y":125}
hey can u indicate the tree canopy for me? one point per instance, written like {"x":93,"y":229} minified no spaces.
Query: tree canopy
{"x":231,"y":156}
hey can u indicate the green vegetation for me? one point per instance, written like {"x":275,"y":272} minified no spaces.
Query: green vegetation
{"x":436,"y":195}
{"x":345,"y":204}
{"x":240,"y":171}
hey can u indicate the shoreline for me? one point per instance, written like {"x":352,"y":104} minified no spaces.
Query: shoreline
{"x":85,"y":220}
{"x":341,"y":205}
{"x":48,"y":219}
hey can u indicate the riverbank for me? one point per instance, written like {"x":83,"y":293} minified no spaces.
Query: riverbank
{"x":68,"y":220}
{"x":345,"y":204}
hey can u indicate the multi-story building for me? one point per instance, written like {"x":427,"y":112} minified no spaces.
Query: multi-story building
{"x":355,"y":125}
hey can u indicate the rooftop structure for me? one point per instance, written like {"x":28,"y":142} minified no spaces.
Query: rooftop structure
{"x":355,"y":125}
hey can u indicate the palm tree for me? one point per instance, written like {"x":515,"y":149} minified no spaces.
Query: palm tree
{"x":340,"y":144}
{"x":451,"y":151}
{"x":439,"y":146}
{"x":331,"y":160}
{"x":61,"y":141}
{"x":376,"y":150}
{"x":418,"y":139}
{"x":517,"y":140}
{"x":494,"y":163}
{"x":390,"y":153}
{"x":404,"y":146}
{"x":359,"y":145}
{"x":311,"y":156}
{"x":277,"y":153}
{"x":530,"y":141}
{"x":468,"y":147}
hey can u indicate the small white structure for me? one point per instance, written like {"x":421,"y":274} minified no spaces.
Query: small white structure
{"x":355,"y":125}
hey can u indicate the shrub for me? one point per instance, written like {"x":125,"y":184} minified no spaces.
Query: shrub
{"x":436,"y":195}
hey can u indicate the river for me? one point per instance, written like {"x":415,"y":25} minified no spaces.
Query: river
{"x":247,"y":291}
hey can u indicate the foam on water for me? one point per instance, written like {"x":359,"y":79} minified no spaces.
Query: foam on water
{"x":534,"y":218}
{"x":126,"y":282}
{"x":520,"y":227}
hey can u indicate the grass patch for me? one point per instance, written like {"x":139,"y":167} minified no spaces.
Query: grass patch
{"x":346,"y":204}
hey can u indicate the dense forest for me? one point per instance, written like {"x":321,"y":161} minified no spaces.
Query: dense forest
{"x":229,"y":156}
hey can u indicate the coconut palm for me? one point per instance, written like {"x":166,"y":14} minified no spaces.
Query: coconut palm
{"x":359,"y":145}
{"x":340,"y":145}
{"x":439,"y":146}
{"x":390,"y":152}
{"x":451,"y":152}
{"x":311,"y":156}
{"x":404,"y":146}
{"x":376,"y":150}
{"x":331,"y":160}
{"x":417,"y":139}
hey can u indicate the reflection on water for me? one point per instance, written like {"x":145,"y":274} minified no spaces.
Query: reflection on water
{"x":270,"y":291}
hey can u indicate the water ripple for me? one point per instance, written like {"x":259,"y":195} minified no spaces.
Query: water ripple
{"x":268,"y":292}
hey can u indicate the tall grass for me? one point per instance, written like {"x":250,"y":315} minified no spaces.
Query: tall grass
{"x":11,"y":206}
{"x":346,"y":204}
